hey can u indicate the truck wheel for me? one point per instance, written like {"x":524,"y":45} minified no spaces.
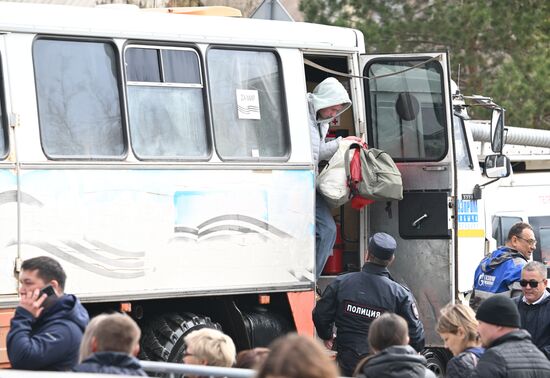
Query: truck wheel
{"x":162,"y":338}
{"x":263,"y":326}
{"x":437,"y":360}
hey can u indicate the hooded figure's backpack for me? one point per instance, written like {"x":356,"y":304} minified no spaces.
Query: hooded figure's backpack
{"x":380,"y":179}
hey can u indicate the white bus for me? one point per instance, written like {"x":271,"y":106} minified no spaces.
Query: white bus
{"x":165,"y":161}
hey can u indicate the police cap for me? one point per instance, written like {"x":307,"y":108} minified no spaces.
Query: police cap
{"x":382,"y":245}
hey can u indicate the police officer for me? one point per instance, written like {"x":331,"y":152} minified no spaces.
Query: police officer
{"x":352,"y":302}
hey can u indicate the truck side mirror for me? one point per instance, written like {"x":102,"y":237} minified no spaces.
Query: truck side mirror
{"x":407,"y":106}
{"x":497,"y":166}
{"x":497,"y":130}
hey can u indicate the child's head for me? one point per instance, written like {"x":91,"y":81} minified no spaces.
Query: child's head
{"x":388,"y":330}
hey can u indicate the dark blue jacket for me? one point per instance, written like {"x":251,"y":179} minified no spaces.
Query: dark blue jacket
{"x":51,"y":341}
{"x":462,"y":365}
{"x":536,"y":320}
{"x":110,"y":363}
{"x":352,"y":302}
{"x":496,"y":274}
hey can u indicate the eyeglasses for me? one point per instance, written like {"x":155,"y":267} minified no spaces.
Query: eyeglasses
{"x":531,"y":283}
{"x":529,"y":241}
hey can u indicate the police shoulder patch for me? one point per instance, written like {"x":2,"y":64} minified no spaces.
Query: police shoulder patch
{"x":414,"y":310}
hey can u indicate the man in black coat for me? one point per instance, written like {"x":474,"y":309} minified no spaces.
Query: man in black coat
{"x":534,"y":304}
{"x":353,"y":301}
{"x":114,"y":343}
{"x":509,"y":350}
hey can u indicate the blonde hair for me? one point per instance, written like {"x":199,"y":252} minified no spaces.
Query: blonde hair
{"x":86,"y":342}
{"x":295,"y":356}
{"x":455,"y":316}
{"x":213,"y":346}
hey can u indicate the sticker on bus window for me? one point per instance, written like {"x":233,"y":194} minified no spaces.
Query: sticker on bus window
{"x":248,"y":104}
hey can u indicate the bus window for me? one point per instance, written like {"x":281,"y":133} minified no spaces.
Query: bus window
{"x":249,"y":118}
{"x":166,"y":103}
{"x":406,"y":111}
{"x":501,"y":227}
{"x":3,"y":118}
{"x":462,"y":151}
{"x":78,"y":99}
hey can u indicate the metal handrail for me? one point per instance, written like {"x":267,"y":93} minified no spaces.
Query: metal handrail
{"x":172,"y":369}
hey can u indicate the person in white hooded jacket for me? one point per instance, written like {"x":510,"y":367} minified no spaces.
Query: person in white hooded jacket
{"x":328,"y":100}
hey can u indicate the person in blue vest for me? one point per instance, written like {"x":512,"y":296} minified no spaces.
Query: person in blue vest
{"x":353,"y":301}
{"x":500,"y":272}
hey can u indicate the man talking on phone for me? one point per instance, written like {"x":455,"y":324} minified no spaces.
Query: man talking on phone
{"x":47,"y":327}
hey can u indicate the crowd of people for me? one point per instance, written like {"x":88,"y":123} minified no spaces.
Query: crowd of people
{"x":368,"y":318}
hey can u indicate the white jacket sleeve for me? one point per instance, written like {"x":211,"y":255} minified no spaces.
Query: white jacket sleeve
{"x":326,"y":150}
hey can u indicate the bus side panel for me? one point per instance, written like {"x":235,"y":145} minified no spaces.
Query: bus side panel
{"x":8,"y":227}
{"x":157,"y":233}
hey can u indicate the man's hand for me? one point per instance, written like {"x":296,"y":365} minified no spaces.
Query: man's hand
{"x":354,"y":138}
{"x":32,"y":302}
{"x":329,"y":343}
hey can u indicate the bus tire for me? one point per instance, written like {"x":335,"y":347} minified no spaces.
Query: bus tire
{"x":437,"y":359}
{"x":162,"y":338}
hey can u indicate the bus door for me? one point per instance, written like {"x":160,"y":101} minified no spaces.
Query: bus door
{"x":408,"y":114}
{"x":8,"y":190}
{"x":541,"y":228}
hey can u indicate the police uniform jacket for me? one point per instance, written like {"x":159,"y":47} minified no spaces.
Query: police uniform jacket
{"x":352,"y":301}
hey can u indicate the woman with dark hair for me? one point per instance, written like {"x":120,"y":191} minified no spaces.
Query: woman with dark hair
{"x":251,"y":358}
{"x":392,"y":356}
{"x":457,"y":326}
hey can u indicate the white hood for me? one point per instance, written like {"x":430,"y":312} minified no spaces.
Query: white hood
{"x":328,"y":93}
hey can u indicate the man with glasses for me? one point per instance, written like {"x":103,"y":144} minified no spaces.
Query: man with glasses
{"x":534,"y":304}
{"x":500,"y":272}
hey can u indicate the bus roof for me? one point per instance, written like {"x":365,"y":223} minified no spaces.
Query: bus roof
{"x":135,"y":23}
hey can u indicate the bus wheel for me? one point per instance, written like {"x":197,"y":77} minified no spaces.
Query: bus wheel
{"x":162,"y":338}
{"x":263,"y":326}
{"x":437,"y":360}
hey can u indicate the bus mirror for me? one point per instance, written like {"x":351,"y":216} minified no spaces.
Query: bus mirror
{"x":497,"y":130}
{"x":497,"y":166}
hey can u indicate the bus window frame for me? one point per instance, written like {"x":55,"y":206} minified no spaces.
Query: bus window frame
{"x":463,"y":134}
{"x":3,"y":114}
{"x":368,"y":108}
{"x":167,"y":45}
{"x":123,"y":121}
{"x":283,"y":111}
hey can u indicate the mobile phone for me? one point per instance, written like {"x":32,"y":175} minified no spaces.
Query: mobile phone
{"x":52,"y":296}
